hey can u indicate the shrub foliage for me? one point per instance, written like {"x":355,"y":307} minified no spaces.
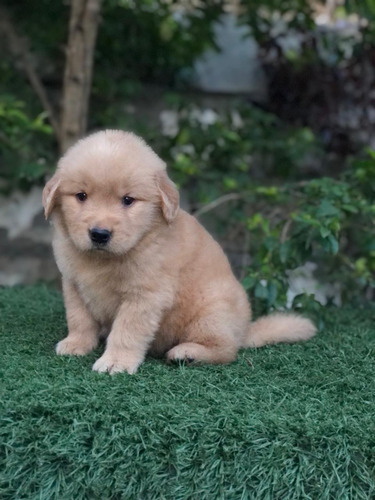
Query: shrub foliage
{"x":274,"y":177}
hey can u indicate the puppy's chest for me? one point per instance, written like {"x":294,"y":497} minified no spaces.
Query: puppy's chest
{"x":102,"y":290}
{"x":101,"y":296}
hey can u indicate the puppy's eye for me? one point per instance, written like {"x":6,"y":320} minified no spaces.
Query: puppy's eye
{"x":127,"y":200}
{"x":81,"y":196}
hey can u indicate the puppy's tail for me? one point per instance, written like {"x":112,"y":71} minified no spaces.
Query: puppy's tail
{"x":279,"y":327}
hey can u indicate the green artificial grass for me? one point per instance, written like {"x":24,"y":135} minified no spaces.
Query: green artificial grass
{"x":284,"y":422}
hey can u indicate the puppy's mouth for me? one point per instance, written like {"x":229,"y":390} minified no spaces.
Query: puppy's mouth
{"x":99,"y":248}
{"x":103,"y":252}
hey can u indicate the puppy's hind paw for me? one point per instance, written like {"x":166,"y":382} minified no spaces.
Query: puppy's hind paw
{"x":75,"y":347}
{"x":179,"y":361}
{"x":183,"y":353}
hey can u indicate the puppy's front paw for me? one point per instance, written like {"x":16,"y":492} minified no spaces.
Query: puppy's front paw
{"x":74,"y":346}
{"x":116,"y":364}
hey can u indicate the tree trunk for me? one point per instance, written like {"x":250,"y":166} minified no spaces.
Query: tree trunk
{"x":83,"y":27}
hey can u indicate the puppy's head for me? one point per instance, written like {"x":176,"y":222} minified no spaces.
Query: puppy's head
{"x":109,"y":190}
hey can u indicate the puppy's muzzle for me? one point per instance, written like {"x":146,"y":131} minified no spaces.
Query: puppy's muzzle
{"x":100,"y":236}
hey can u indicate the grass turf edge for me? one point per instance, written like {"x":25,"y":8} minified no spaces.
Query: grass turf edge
{"x":289,"y":421}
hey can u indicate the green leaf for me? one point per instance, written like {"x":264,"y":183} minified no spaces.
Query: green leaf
{"x":272,"y":293}
{"x":327,"y":209}
{"x":334,"y":244}
{"x":261,"y":291}
{"x":324,"y":232}
{"x":230,"y":183}
{"x":284,"y":251}
{"x":167,"y":28}
{"x":271,"y":243}
{"x":267,"y":190}
{"x":350,"y":208}
{"x":248,"y":282}
{"x":184,"y":136}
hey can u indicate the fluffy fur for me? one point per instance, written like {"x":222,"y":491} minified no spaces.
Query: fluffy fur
{"x":161,"y":285}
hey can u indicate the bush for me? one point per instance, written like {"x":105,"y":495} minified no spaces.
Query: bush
{"x":269,"y":169}
{"x":26,"y":145}
{"x":329,"y":221}
{"x":226,"y":150}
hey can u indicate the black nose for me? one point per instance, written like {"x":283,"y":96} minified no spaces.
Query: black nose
{"x":100,"y":236}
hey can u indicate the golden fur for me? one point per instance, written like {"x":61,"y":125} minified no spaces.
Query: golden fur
{"x":161,"y":285}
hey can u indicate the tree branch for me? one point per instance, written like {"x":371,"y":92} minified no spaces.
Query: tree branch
{"x":219,"y":201}
{"x":19,"y":49}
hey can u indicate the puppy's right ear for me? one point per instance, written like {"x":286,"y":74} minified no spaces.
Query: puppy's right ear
{"x":49,"y":197}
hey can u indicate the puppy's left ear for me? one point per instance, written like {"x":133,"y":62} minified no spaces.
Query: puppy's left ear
{"x":169,"y":195}
{"x":49,"y":196}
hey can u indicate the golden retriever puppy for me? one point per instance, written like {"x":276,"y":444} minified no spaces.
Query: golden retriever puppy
{"x":141,"y":272}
